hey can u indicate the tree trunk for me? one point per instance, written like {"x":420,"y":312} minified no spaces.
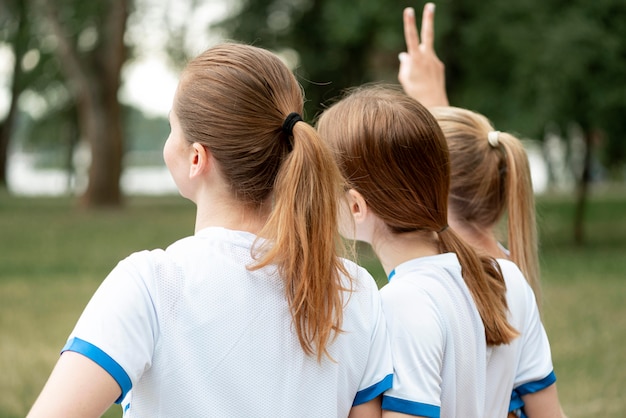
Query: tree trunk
{"x":582,"y":191}
{"x":6,"y":128}
{"x":101,"y":124}
{"x":94,"y":82}
{"x":5,"y":134}
{"x":106,"y":138}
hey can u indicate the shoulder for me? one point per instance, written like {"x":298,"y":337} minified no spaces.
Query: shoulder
{"x":139,"y":264}
{"x":147,"y":259}
{"x":415,"y":301}
{"x":428,"y":282}
{"x":520,"y":297}
{"x":516,"y":284}
{"x":360,"y":285}
{"x":148,"y":268}
{"x":359,"y":275}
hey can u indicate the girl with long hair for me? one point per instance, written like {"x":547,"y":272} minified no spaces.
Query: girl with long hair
{"x":490,"y":178}
{"x":464,"y":327}
{"x":255,"y":314}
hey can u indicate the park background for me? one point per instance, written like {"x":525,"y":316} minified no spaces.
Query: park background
{"x":84,"y":92}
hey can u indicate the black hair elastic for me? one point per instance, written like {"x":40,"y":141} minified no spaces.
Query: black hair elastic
{"x":290,"y":121}
{"x":443,"y":229}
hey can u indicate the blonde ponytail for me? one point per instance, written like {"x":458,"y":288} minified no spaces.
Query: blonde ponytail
{"x":490,"y":177}
{"x":520,"y":203}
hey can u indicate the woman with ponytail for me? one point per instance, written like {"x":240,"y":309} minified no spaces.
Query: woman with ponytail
{"x":463,"y":327}
{"x":490,"y":178}
{"x":490,"y":170}
{"x":255,"y":315}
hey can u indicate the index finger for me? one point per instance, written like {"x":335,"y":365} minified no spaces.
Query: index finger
{"x":410,"y":31}
{"x":428,"y":26}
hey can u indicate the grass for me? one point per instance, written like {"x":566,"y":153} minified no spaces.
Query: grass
{"x":584,"y":310}
{"x":53,"y":256}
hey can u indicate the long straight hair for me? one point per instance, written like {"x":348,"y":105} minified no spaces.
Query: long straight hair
{"x":233,"y":99}
{"x":392,"y":151}
{"x":488,"y":181}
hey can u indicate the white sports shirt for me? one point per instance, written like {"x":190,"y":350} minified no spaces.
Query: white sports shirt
{"x":443,"y":367}
{"x":190,"y":332}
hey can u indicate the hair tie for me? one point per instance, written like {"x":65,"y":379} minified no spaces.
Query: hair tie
{"x":290,"y":121}
{"x":492,"y":138}
{"x":443,"y":229}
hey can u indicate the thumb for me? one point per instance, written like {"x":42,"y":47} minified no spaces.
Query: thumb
{"x":405,"y":67}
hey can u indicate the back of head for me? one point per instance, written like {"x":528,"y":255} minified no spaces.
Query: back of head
{"x":491,"y":177}
{"x":235,"y":99}
{"x":392,"y":151}
{"x":384,"y":141}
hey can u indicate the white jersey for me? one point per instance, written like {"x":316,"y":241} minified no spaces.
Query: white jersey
{"x":190,"y":332}
{"x":443,"y":367}
{"x":530,"y":352}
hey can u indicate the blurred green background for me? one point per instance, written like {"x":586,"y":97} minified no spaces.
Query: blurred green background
{"x":77,"y":196}
{"x":54,"y":257}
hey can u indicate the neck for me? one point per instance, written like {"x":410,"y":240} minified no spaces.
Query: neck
{"x":227,"y":214}
{"x":481,"y":238}
{"x":395,"y":249}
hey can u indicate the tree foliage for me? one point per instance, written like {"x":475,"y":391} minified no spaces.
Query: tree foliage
{"x":69,"y":55}
{"x":537,"y":62}
{"x":527,"y":64}
{"x":339,"y":44}
{"x":524,"y":64}
{"x":16,"y":33}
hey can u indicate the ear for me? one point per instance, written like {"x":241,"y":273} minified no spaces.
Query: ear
{"x":200,"y":160}
{"x":358,"y":206}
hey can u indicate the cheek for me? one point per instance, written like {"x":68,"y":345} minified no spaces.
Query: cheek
{"x":347,"y":227}
{"x":174,"y":160}
{"x":167,"y":152}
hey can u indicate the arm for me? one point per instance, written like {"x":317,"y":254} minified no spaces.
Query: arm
{"x":543,"y":404}
{"x":417,"y":339}
{"x":535,"y":381}
{"x":391,"y":414}
{"x":77,"y":387}
{"x":421,"y":73}
{"x":369,"y":409}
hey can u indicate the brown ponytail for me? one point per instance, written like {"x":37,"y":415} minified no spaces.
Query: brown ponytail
{"x":304,"y":238}
{"x":486,"y":284}
{"x":392,"y":151}
{"x":234,"y":100}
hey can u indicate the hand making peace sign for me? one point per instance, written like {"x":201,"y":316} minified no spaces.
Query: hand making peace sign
{"x":421,"y":73}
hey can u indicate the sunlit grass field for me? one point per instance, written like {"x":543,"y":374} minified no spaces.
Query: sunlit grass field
{"x":53,"y":256}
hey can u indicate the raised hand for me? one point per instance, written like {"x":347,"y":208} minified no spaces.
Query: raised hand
{"x":421,"y":73}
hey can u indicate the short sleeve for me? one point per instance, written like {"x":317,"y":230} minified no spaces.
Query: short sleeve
{"x":417,"y":342}
{"x":118,"y":327}
{"x":378,"y":375}
{"x":535,"y":369}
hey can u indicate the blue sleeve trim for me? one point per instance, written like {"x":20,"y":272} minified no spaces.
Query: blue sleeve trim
{"x":409,"y":407}
{"x":103,"y":360}
{"x":516,"y":401}
{"x":373,"y":391}
{"x":536,"y":386}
